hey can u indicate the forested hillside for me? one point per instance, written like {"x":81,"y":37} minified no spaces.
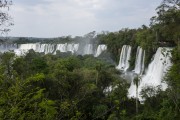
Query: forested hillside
{"x":63,"y":86}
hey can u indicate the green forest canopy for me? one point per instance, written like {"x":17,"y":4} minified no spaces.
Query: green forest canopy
{"x":48,"y":87}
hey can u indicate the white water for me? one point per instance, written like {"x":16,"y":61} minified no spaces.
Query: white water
{"x":139,"y":64}
{"x":124,"y":58}
{"x":73,"y":48}
{"x":88,"y":49}
{"x":22,"y":49}
{"x":7,"y":47}
{"x":47,"y":48}
{"x":100,"y":49}
{"x":156,"y":71}
{"x":67,"y":47}
{"x":61,"y":47}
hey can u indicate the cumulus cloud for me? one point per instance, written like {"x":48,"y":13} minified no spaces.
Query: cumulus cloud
{"x":52,"y":18}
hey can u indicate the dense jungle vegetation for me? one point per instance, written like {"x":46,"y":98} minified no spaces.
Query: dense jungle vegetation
{"x":63,"y":87}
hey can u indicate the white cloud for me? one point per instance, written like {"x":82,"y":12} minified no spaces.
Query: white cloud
{"x":51,"y":18}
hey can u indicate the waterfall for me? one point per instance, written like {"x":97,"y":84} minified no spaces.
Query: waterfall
{"x":100,"y":49}
{"x":74,"y":48}
{"x":24,"y":48}
{"x":124,"y":58}
{"x":62,"y":47}
{"x":88,"y":49}
{"x":156,"y":71}
{"x":49,"y":48}
{"x":37,"y":47}
{"x":7,"y":47}
{"x":46,"y":48}
{"x":27,"y":46}
{"x":139,"y":64}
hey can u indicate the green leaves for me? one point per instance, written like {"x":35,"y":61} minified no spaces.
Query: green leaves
{"x":100,"y":111}
{"x":49,"y":111}
{"x":36,"y":78}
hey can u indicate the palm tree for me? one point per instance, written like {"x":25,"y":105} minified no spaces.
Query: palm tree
{"x":136,"y":82}
{"x":98,"y":69}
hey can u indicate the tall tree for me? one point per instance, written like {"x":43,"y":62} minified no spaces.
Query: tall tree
{"x":5,"y":18}
{"x":167,"y":21}
{"x":136,"y":82}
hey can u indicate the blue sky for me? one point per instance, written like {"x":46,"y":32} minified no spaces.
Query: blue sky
{"x":54,"y":18}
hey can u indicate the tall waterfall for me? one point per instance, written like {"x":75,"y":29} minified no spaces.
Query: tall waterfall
{"x":139,"y":64}
{"x":124,"y":58}
{"x":156,"y":71}
{"x":100,"y":49}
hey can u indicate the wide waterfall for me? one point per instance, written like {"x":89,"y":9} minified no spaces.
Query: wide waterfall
{"x":100,"y":49}
{"x":87,"y":49}
{"x":24,"y":48}
{"x":124,"y":58}
{"x":156,"y":71}
{"x":139,"y":64}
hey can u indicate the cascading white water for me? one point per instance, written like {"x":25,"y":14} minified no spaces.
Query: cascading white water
{"x":72,"y":48}
{"x":139,"y":64}
{"x":156,"y":71}
{"x":27,"y":46}
{"x":124,"y":58}
{"x":49,"y":48}
{"x":62,"y":47}
{"x":88,"y":49}
{"x":67,"y":47}
{"x":22,"y":49}
{"x":100,"y":49}
{"x":7,"y":47}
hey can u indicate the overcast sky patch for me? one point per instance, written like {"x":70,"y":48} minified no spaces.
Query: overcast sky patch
{"x":54,"y":18}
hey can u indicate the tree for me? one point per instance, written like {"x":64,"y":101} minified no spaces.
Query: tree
{"x":136,"y":82}
{"x":172,"y":79}
{"x":5,"y":19}
{"x":23,"y":100}
{"x":167,"y":21}
{"x":6,"y":60}
{"x":98,"y":68}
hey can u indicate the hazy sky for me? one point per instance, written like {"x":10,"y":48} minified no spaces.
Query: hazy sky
{"x":54,"y":18}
